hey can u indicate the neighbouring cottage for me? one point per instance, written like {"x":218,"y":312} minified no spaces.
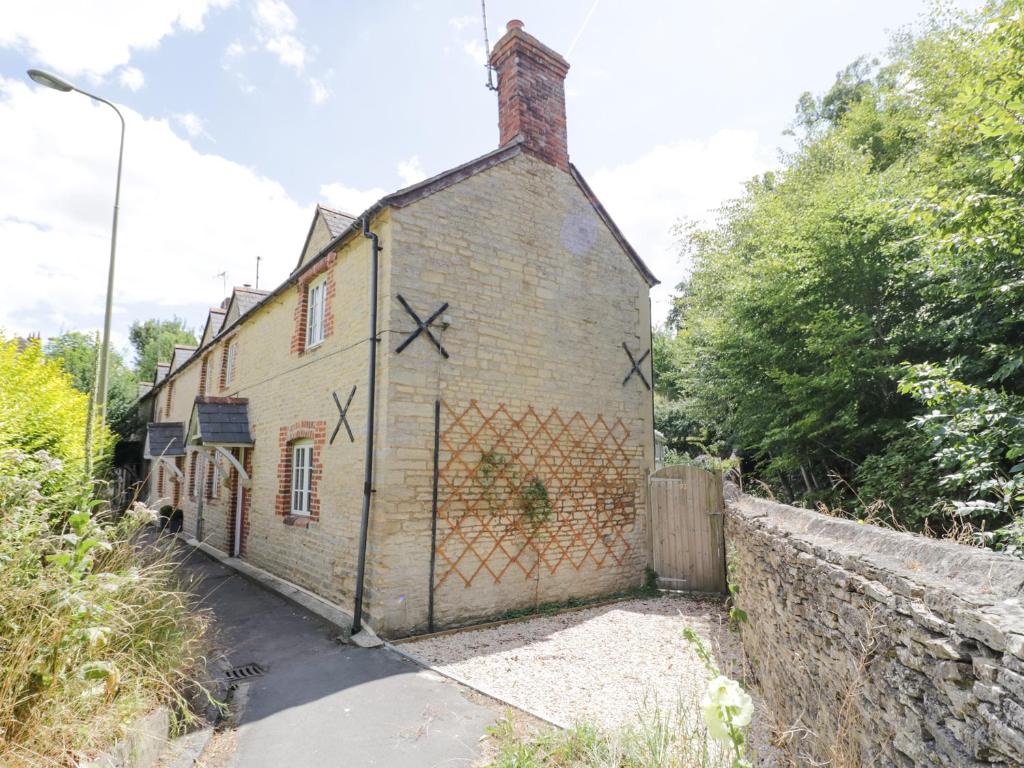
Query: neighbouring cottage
{"x":512,"y":430}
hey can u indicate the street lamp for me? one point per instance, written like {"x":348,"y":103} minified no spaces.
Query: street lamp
{"x":54,"y":82}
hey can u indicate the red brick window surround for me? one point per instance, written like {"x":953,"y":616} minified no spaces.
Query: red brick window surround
{"x":316,"y":286}
{"x":228,"y":362}
{"x":203,"y":377}
{"x":299,"y":472}
{"x":170,"y":396}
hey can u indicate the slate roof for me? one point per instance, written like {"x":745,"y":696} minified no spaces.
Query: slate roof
{"x":247,"y":298}
{"x":336,"y":221}
{"x":221,"y":421}
{"x":162,"y":369}
{"x":214,"y":322}
{"x":165,"y":438}
{"x":180,"y":355}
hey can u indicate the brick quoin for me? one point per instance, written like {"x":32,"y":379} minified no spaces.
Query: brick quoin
{"x":202,"y":375}
{"x":298,"y":345}
{"x":167,"y":402}
{"x":317,"y":432}
{"x":531,"y":95}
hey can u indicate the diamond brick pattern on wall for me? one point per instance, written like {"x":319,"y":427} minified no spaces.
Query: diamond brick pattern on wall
{"x":489,"y":455}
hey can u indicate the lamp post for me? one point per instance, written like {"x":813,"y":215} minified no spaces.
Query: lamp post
{"x":99,"y":401}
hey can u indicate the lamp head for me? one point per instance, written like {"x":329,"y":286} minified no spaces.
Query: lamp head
{"x":50,"y":81}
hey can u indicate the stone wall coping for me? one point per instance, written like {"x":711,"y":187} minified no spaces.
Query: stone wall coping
{"x":947,"y":577}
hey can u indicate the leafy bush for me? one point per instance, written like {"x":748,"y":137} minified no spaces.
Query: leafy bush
{"x":93,"y":629}
{"x":40,"y":410}
{"x":904,"y":478}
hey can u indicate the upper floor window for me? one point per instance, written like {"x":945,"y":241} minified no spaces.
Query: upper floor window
{"x":315,"y":306}
{"x":230,"y":353}
{"x":302,"y":476}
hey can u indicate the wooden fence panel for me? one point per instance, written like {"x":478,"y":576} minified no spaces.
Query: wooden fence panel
{"x":688,"y":527}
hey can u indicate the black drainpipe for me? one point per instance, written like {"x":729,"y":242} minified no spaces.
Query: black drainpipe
{"x":357,"y":611}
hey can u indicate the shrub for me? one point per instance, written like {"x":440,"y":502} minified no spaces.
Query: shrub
{"x":40,"y":410}
{"x":93,"y":628}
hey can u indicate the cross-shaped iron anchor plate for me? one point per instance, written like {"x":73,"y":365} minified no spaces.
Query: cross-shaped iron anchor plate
{"x":636,"y":366}
{"x":422,"y":326}
{"x":342,"y":416}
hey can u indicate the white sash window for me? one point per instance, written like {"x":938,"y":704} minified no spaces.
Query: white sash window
{"x":316,"y":304}
{"x":302,"y":476}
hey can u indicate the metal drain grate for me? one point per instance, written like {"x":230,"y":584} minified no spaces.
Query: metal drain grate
{"x":245,"y":671}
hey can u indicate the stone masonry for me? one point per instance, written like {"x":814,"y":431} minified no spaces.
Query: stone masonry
{"x":895,"y":649}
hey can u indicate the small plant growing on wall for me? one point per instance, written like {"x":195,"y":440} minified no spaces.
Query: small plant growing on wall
{"x":489,"y":471}
{"x":534,"y":502}
{"x":497,"y":475}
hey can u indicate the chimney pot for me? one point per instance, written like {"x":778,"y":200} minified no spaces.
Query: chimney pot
{"x":531,"y":95}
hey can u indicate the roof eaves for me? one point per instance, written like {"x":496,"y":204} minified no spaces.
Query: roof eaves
{"x":399,"y":199}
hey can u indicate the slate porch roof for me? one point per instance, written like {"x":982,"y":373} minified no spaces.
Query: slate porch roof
{"x":165,"y":438}
{"x":220,"y":421}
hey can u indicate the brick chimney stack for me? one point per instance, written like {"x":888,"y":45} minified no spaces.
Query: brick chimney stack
{"x":531,"y":94}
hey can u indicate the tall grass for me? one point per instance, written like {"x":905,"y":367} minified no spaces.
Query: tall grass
{"x":673,"y":737}
{"x":94,"y":630}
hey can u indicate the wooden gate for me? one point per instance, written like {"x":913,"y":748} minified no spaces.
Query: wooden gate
{"x":688,"y":529}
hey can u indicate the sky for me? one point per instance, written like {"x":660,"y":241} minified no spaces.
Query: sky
{"x":243,"y":114}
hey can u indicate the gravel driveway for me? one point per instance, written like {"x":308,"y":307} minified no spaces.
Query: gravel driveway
{"x":600,"y":664}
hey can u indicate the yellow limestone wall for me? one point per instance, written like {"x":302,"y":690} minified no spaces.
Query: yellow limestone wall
{"x":541,"y":299}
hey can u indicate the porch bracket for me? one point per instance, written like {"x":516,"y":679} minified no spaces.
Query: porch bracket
{"x":243,"y":476}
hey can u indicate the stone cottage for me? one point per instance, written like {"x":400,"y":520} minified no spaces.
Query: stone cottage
{"x":445,"y":411}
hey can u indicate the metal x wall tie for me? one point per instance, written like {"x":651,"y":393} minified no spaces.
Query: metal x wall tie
{"x":422,"y":326}
{"x":342,"y":418}
{"x":636,"y":366}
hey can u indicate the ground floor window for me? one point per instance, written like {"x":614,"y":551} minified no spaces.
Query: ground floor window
{"x":302,"y":476}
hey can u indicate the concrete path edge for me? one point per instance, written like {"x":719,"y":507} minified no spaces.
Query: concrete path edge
{"x":325,"y":609}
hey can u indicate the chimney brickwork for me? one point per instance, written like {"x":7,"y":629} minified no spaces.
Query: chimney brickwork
{"x":531,"y":95}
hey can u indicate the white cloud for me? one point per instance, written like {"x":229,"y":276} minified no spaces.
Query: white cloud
{"x":673,"y":182}
{"x":476,"y":51}
{"x":76,"y":38}
{"x":131,"y":78}
{"x":232,"y":53}
{"x":461,"y":22}
{"x":275,"y":27}
{"x":319,"y":92}
{"x":191,"y":123}
{"x":411,"y":171}
{"x":184,"y":217}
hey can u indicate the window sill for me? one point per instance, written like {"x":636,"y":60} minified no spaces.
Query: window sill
{"x":313,"y":347}
{"x":299,"y":521}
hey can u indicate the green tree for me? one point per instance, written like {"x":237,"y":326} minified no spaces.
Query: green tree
{"x":41,"y":410}
{"x":76,"y":352}
{"x":860,"y":315}
{"x":154,"y":341}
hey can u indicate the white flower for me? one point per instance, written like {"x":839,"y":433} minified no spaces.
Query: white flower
{"x":725,"y":704}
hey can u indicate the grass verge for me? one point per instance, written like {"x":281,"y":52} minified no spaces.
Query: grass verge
{"x":94,"y":629}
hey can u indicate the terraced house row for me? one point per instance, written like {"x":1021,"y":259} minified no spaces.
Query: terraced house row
{"x":445,"y":411}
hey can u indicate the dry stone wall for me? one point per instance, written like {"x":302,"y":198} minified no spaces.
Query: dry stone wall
{"x":901,"y":650}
